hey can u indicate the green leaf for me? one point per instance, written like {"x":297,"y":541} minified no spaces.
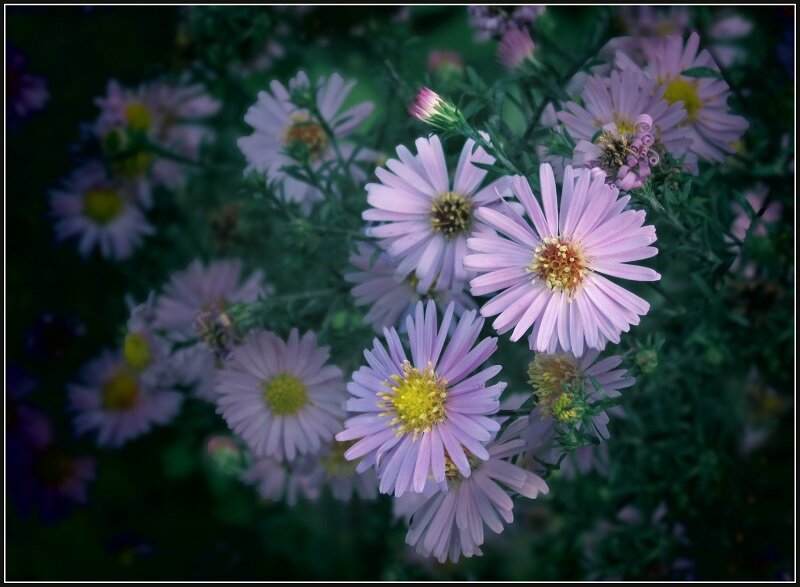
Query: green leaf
{"x":702,"y":72}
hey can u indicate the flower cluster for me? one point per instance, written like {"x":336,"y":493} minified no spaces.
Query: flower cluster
{"x":454,"y":264}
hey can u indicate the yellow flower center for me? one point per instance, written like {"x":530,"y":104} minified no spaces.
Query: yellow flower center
{"x":549,"y":375}
{"x":416,"y":401}
{"x":451,"y":214}
{"x":138,"y":117}
{"x":285,"y":394}
{"x":102,"y":205}
{"x":334,"y":462}
{"x":121,"y":391}
{"x":560,"y":264}
{"x":137,"y":351}
{"x":682,"y":90}
{"x":306,"y":136}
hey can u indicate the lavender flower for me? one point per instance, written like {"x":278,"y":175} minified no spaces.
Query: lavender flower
{"x":426,"y":221}
{"x":413,"y":415}
{"x":451,"y":523}
{"x":100,"y":212}
{"x":197,"y":288}
{"x":276,"y":481}
{"x":392,"y":298}
{"x":515,"y":48}
{"x":286,"y":134}
{"x":494,"y":21}
{"x":430,"y":108}
{"x":625,"y":120}
{"x":117,"y":404}
{"x":549,"y":273}
{"x":714,"y":129}
{"x":280,"y":397}
{"x":25,"y":93}
{"x":167,"y":115}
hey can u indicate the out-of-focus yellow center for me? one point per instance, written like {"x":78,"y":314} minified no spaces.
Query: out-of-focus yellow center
{"x":451,"y":214}
{"x":334,"y":462}
{"x":138,"y":117}
{"x":416,"y":401}
{"x":137,"y":351}
{"x":285,"y":394}
{"x":121,"y":391}
{"x":549,"y":375}
{"x":682,"y":90}
{"x":560,"y":264}
{"x":102,"y":205}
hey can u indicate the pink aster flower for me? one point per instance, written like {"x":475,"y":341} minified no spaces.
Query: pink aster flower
{"x":413,"y":415}
{"x":549,"y":268}
{"x":285,"y":133}
{"x":625,"y":120}
{"x":425,"y":221}
{"x":280,"y":397}
{"x":167,"y":114}
{"x":197,"y":288}
{"x":451,"y":523}
{"x":100,"y":212}
{"x":515,"y":48}
{"x":117,"y":404}
{"x":25,"y":93}
{"x":393,"y":298}
{"x":714,"y":130}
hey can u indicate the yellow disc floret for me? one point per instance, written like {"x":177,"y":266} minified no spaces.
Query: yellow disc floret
{"x":550,"y":375}
{"x":560,"y":264}
{"x":683,"y":90}
{"x":102,"y":205}
{"x":416,"y":401}
{"x":137,"y":351}
{"x":121,"y":391}
{"x":286,"y":394}
{"x":451,"y":214}
{"x":138,"y":117}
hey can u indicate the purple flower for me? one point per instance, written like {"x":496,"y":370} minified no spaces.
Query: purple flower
{"x":413,"y":415}
{"x":714,"y":130}
{"x":451,"y":523}
{"x":167,"y":114}
{"x":549,"y":272}
{"x":426,"y":221}
{"x":624,"y":121}
{"x":756,"y":197}
{"x":27,"y":429}
{"x":25,"y":93}
{"x":494,"y":21}
{"x":117,"y":403}
{"x":284,"y":131}
{"x":515,"y":48}
{"x":392,"y":297}
{"x":197,"y":288}
{"x":276,"y":481}
{"x":280,"y":397}
{"x":99,"y":212}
